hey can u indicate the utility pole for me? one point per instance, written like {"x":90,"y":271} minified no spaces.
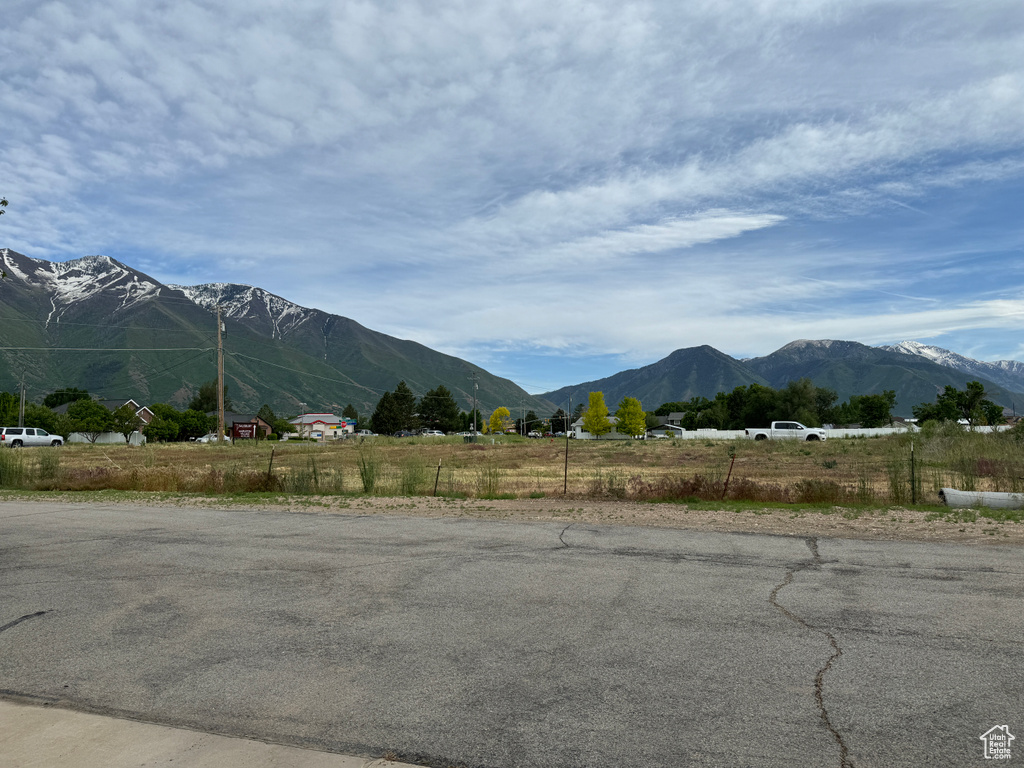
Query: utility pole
{"x":21,"y":407}
{"x":220,"y":378}
{"x":565,"y":485}
{"x":473,"y":378}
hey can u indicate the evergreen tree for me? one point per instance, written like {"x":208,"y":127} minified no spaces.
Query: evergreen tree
{"x":559,"y":421}
{"x":466,"y":420}
{"x":386,"y":419}
{"x":438,"y":410}
{"x":10,"y":404}
{"x":528,"y":423}
{"x":66,"y":395}
{"x":405,"y":407}
{"x":206,"y":400}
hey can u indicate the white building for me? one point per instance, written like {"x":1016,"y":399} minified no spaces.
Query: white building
{"x":323,"y":426}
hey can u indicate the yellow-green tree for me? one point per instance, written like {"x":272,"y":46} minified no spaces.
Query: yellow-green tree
{"x":595,"y":418}
{"x":500,"y":419}
{"x":630,"y":418}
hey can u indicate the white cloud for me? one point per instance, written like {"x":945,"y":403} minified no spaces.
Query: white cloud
{"x":484,"y":156}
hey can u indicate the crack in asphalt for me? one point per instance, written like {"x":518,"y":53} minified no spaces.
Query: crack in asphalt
{"x":819,"y":677}
{"x":20,"y":619}
{"x":565,"y":544}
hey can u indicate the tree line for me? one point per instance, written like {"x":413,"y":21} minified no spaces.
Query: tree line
{"x":91,"y":418}
{"x":745,"y":406}
{"x":756,"y":405}
{"x":83,"y":415}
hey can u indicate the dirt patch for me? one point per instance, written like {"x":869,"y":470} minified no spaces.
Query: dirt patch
{"x":893,"y":523}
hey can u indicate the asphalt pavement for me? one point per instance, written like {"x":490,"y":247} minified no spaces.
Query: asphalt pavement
{"x":455,"y":642}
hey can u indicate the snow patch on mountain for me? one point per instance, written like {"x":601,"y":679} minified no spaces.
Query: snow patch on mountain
{"x":1005,"y":373}
{"x":72,"y":281}
{"x":242,"y":301}
{"x":935,"y":354}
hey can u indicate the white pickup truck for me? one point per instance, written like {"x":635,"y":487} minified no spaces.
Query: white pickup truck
{"x":786,"y":430}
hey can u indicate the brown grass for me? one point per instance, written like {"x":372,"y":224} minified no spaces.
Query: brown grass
{"x":835,"y":472}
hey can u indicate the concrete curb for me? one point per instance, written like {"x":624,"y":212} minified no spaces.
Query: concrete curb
{"x":53,"y":737}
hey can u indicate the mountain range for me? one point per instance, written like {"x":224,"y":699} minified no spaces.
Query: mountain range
{"x":914,"y":371}
{"x":97,"y":324}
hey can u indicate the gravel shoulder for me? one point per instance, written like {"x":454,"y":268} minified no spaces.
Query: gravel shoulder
{"x":891,"y":523}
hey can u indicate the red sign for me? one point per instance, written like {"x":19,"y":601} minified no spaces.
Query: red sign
{"x":246,"y":431}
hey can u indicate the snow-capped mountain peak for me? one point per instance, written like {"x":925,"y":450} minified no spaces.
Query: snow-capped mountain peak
{"x":1005,"y":373}
{"x":69,"y":282}
{"x":244,"y":301}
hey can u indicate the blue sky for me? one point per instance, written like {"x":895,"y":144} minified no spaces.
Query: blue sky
{"x":554,"y":191}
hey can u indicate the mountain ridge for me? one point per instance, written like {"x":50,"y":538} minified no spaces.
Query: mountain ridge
{"x":1005,"y":373}
{"x":285,"y":354}
{"x":848,"y":367}
{"x":101,"y":325}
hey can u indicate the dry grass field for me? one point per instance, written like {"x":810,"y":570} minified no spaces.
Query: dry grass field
{"x":856,"y":487}
{"x":848,"y":471}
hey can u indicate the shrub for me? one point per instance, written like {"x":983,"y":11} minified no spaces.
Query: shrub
{"x":369,"y":468}
{"x":488,"y":480}
{"x":12,"y":468}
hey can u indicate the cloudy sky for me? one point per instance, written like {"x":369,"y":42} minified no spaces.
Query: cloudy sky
{"x":555,"y":191}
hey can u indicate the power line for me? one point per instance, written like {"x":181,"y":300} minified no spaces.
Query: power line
{"x":62,"y":324}
{"x":312,"y":375}
{"x":107,"y":349}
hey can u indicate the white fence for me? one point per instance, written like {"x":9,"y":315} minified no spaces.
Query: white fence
{"x":833,"y":434}
{"x":109,"y":438}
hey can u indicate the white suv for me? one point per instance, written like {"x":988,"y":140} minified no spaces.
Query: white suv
{"x":16,"y":437}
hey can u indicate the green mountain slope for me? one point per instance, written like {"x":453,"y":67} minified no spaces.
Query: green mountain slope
{"x":851,"y":368}
{"x":847,"y":367}
{"x":96,"y":324}
{"x":695,"y":371}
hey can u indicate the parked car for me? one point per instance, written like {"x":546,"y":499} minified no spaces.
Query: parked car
{"x":404,"y":433}
{"x":211,"y":437}
{"x":432,"y":433}
{"x":787,"y":430}
{"x":17,"y":437}
{"x":366,"y":433}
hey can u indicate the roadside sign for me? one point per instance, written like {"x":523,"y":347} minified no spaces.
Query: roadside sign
{"x":246,"y":431}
